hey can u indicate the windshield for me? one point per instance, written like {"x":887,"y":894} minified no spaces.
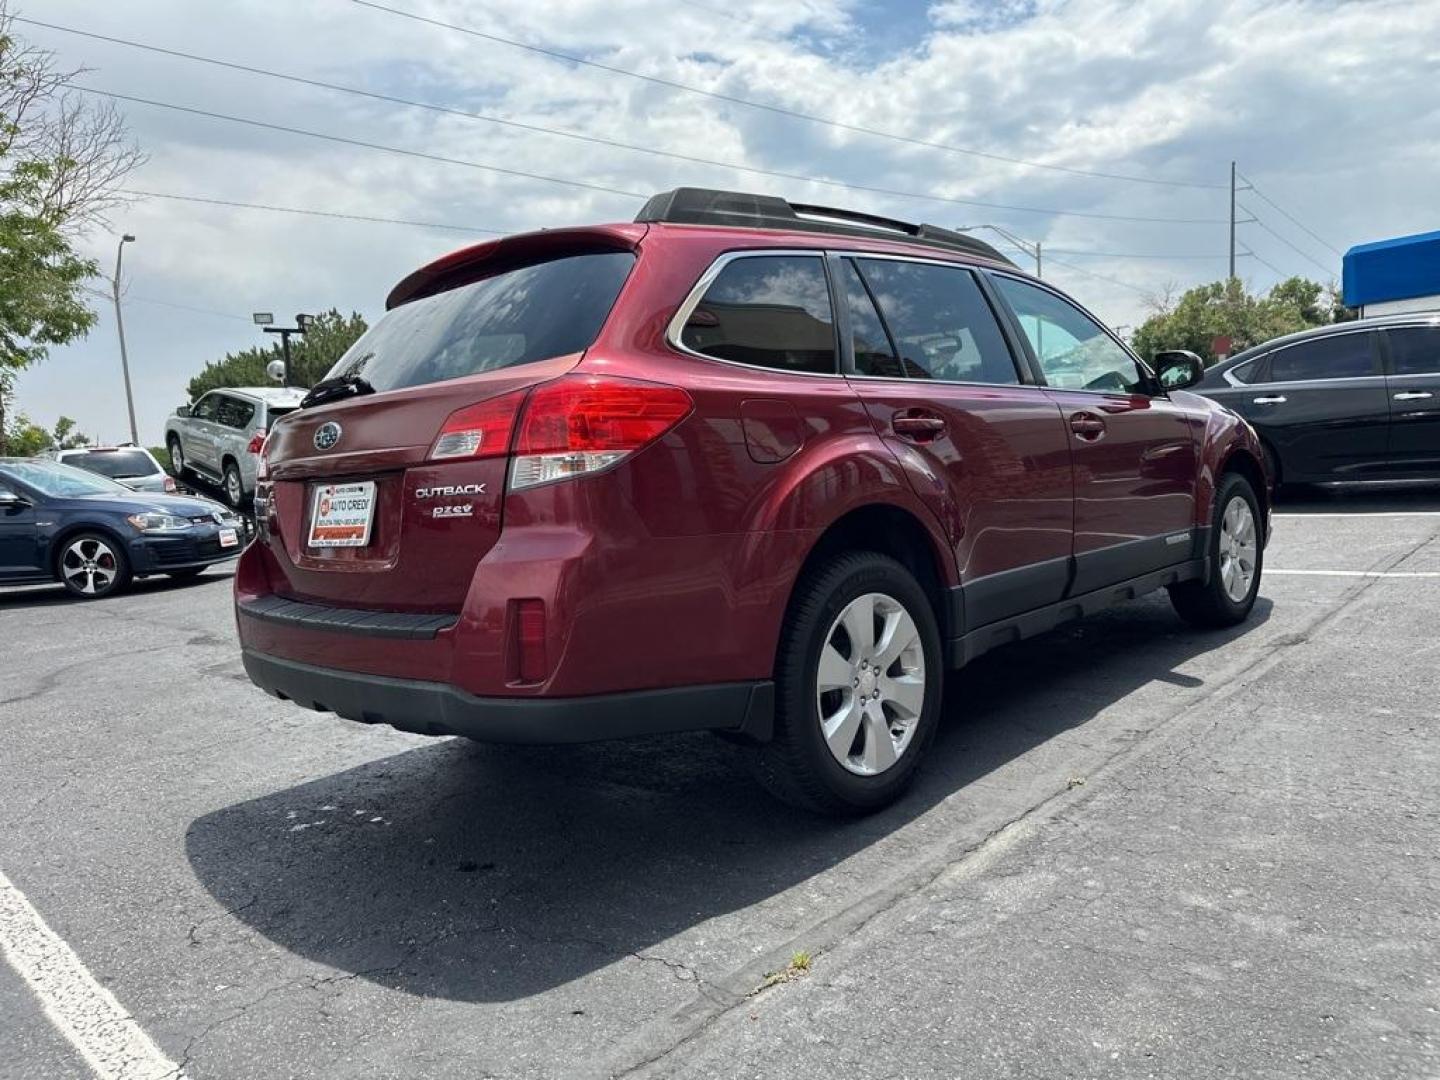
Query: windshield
{"x":517,"y":317}
{"x":115,"y":463}
{"x":61,"y":481}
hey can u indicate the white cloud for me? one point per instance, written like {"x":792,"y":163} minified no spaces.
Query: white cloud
{"x":1328,"y":106}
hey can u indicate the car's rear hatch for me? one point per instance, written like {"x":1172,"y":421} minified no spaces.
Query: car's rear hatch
{"x":365,"y":504}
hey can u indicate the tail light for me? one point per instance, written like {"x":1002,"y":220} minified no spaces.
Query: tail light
{"x":169,"y":484}
{"x":262,"y":463}
{"x":257,"y":442}
{"x":584,"y":423}
{"x":479,"y":431}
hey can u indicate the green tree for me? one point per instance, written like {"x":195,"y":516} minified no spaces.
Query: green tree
{"x":311,"y":356}
{"x":26,"y":439}
{"x":1228,"y":309}
{"x":61,"y":159}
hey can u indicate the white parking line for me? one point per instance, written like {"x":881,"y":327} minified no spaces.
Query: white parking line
{"x":1365,"y":514}
{"x":1356,"y":573}
{"x":87,"y":1014}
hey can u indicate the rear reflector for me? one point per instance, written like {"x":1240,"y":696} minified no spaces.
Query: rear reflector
{"x":584,"y":423}
{"x":530,"y":640}
{"x":479,"y":431}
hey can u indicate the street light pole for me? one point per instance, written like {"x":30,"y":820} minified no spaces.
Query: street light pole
{"x":1029,"y":247}
{"x":120,"y":326}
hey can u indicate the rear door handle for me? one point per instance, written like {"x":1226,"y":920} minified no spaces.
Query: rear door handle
{"x":1274,"y":399}
{"x":1087,"y":426}
{"x":1413,"y":395}
{"x":922,"y":427}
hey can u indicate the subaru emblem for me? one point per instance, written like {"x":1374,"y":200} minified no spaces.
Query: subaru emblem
{"x":327,"y":435}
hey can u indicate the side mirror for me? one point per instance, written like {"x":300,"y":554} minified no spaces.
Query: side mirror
{"x":9,"y":500}
{"x":183,"y":410}
{"x":1178,"y":369}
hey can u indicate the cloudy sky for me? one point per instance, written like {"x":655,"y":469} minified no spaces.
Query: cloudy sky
{"x":1069,"y":118}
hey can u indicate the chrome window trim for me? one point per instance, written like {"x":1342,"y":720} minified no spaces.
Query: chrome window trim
{"x":1310,"y":341}
{"x":676,"y":326}
{"x":1144,"y":367}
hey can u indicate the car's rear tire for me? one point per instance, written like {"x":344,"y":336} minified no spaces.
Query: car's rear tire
{"x":1236,"y":556}
{"x":233,"y":485}
{"x":858,"y":681}
{"x":92,"y":565}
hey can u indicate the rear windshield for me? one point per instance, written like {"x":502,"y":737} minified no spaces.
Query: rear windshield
{"x":517,"y":317}
{"x":115,"y":463}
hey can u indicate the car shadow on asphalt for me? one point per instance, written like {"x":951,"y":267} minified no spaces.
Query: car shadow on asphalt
{"x":482,"y":873}
{"x":21,"y":597}
{"x":1360,"y":499}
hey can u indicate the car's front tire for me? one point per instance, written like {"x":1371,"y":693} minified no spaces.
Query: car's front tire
{"x":177,"y":458}
{"x":91,"y":565}
{"x":858,"y":681}
{"x":1237,"y":555}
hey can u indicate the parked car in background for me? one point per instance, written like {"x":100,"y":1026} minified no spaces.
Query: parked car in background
{"x":739,"y":465}
{"x":94,"y":534}
{"x":133,"y":466}
{"x":1352,"y":401}
{"x":220,"y":436}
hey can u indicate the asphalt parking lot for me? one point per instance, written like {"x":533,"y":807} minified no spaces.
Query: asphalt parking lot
{"x":1137,"y":850}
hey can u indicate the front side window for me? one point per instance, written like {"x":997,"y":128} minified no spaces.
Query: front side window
{"x":205,"y":407}
{"x":771,"y":311}
{"x":516,"y":316}
{"x":1074,"y":352}
{"x":1343,"y":356}
{"x":1415,"y":350}
{"x":940,"y":323}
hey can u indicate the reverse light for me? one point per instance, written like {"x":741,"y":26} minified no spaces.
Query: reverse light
{"x":582,"y":424}
{"x":479,"y":431}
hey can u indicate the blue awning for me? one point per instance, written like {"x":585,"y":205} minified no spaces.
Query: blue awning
{"x":1395,"y":269}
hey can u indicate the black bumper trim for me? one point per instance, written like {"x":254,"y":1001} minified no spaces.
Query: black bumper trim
{"x":429,"y":708}
{"x":389,"y":624}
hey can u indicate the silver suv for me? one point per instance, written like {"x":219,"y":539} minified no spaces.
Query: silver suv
{"x":133,"y":466}
{"x":220,"y":436}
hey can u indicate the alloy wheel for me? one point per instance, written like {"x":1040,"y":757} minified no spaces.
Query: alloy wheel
{"x":870,"y":684}
{"x":1237,"y":549}
{"x":89,"y":566}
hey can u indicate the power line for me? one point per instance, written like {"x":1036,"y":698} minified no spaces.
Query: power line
{"x":1287,"y":243}
{"x":308,"y":213}
{"x":1269,"y":265}
{"x":777,"y":109}
{"x":1128,"y":254}
{"x":1292,"y":219}
{"x":597,"y":140}
{"x":171,"y":304}
{"x":1101,"y":277}
{"x":360,"y":142}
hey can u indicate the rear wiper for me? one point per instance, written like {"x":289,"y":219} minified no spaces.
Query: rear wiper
{"x":339,"y":387}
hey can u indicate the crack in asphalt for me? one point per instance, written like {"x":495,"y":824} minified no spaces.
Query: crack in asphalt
{"x":858,"y":916}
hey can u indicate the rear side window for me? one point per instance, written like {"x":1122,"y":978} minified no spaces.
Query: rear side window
{"x":770,"y":311}
{"x":519,"y":316}
{"x":940,"y":323}
{"x":116,"y":464}
{"x":1248,"y":372}
{"x":1415,"y":350}
{"x":1344,"y":356}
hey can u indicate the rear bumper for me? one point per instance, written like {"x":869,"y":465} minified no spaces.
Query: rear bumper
{"x":431,"y":708}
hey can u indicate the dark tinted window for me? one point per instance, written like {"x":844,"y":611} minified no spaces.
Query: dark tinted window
{"x":1415,"y":350}
{"x":1074,"y":352}
{"x":234,"y":412}
{"x":1343,"y":356}
{"x":769,"y":310}
{"x":515,"y":317}
{"x":114,"y":463}
{"x":940,"y":322}
{"x":1248,"y":372}
{"x":874,"y":355}
{"x":205,"y":407}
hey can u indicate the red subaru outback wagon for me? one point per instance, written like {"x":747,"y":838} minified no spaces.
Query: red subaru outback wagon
{"x":740,"y":465}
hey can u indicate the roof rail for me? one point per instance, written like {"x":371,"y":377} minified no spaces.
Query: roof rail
{"x":706,"y":206}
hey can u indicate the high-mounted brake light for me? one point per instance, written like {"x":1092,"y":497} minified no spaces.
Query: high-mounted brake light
{"x":479,"y":431}
{"x":581,"y":424}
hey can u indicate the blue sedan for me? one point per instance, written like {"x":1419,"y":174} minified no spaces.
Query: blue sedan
{"x":59,"y":523}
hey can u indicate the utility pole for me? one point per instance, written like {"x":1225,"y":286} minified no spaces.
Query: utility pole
{"x":120,"y":326}
{"x":1029,"y":247}
{"x":1232,"y":219}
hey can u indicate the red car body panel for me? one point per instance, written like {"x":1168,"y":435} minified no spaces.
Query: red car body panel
{"x":675,"y":567}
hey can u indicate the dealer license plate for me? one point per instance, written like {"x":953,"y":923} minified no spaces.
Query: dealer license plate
{"x":340,"y":514}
